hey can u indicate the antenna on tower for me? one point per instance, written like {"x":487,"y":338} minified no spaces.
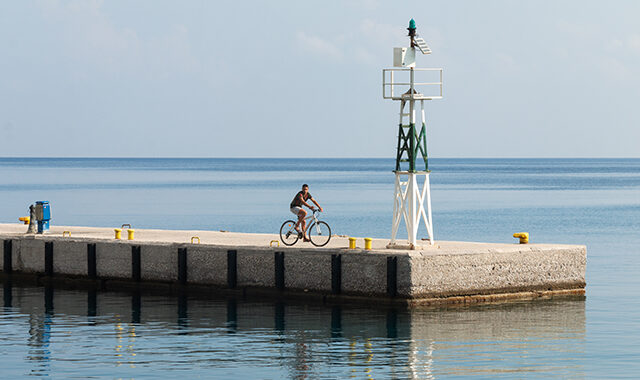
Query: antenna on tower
{"x":416,"y":40}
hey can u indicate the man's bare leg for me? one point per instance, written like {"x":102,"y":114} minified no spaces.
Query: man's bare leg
{"x":301,"y":222}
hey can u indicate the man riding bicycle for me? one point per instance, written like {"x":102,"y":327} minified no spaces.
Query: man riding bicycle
{"x":296,"y":207}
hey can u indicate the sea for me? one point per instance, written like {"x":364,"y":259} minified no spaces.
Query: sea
{"x":62,"y":332}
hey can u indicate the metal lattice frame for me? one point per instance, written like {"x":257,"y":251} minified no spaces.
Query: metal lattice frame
{"x":411,"y":196}
{"x":411,"y":143}
{"x":409,"y":204}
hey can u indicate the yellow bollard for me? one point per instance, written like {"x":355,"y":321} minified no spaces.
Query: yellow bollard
{"x":352,"y":243}
{"x":194,"y":239}
{"x":274,"y":241}
{"x":66,"y":233}
{"x":367,"y":243}
{"x":523,"y":236}
{"x":130,"y":234}
{"x":25,"y":219}
{"x":118,"y":233}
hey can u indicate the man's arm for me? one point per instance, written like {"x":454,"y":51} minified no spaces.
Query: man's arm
{"x":314,"y":201}
{"x":301,"y":198}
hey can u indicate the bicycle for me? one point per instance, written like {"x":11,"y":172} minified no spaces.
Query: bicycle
{"x":319,"y":231}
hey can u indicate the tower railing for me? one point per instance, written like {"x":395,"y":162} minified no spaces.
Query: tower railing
{"x":397,"y":84}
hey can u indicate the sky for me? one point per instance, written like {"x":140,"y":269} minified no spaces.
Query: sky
{"x":151,"y":78}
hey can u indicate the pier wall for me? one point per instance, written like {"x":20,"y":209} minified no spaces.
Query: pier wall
{"x":393,"y":275}
{"x":527,"y":269}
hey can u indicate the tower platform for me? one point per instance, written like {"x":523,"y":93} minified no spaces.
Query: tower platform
{"x":443,"y":273}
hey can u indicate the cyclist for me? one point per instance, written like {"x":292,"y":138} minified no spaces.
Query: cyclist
{"x":296,"y":207}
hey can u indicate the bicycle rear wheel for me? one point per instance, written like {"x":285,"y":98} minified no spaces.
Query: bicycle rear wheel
{"x":319,"y":234}
{"x":288,"y":233}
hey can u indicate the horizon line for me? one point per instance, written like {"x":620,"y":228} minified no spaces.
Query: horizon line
{"x":314,"y":158}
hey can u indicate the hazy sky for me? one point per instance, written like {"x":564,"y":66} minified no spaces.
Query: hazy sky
{"x":300,"y":78}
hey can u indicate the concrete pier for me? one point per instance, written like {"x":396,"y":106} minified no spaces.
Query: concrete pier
{"x":447,"y":272}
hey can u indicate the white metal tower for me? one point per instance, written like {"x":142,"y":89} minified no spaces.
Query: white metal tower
{"x":412,"y":188}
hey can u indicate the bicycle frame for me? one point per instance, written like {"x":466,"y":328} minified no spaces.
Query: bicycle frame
{"x":312,"y":217}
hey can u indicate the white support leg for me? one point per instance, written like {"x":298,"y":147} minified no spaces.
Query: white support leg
{"x":409,"y":204}
{"x":429,"y":220}
{"x":397,"y":208}
{"x":412,"y":210}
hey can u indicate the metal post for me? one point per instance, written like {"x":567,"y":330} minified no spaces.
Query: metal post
{"x":430,"y":221}
{"x":412,"y":229}
{"x":413,"y":210}
{"x":396,"y":209}
{"x":411,"y":81}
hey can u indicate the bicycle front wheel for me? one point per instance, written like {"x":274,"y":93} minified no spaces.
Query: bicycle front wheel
{"x":319,"y":234}
{"x":288,"y":233}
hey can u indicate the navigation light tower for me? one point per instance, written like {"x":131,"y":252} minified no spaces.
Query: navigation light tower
{"x":412,"y":189}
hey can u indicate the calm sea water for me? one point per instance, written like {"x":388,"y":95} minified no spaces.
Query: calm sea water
{"x":65,"y":333}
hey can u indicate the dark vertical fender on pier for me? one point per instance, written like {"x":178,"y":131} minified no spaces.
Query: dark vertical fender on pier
{"x":392,"y":276}
{"x":336,"y":274}
{"x":136,"y":266}
{"x":279,"y":269}
{"x":182,"y":265}
{"x":232,"y":268}
{"x":91,"y":260}
{"x":48,"y":258}
{"x":8,"y":250}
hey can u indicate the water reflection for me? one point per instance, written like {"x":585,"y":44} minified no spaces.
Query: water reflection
{"x":134,"y":334}
{"x":183,"y":320}
{"x":92,"y":303}
{"x":125,"y":335}
{"x":232,"y":315}
{"x":136,"y":306}
{"x":7,"y":294}
{"x":40,"y":334}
